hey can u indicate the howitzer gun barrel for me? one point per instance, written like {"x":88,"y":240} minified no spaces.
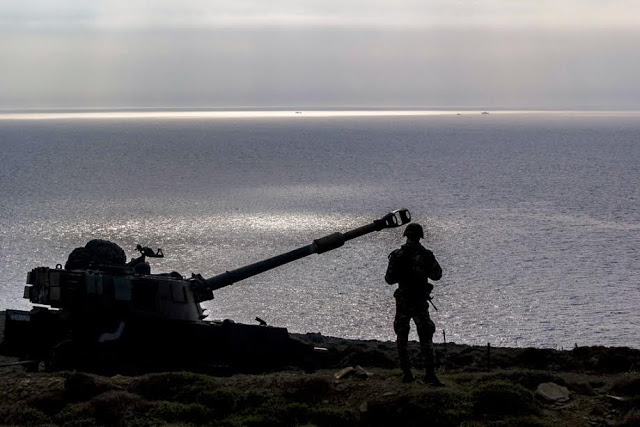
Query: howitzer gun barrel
{"x":327,"y":243}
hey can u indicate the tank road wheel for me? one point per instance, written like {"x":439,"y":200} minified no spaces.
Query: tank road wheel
{"x":35,"y":366}
{"x":61,"y":356}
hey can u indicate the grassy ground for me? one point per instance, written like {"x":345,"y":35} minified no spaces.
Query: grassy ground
{"x":604,"y":386}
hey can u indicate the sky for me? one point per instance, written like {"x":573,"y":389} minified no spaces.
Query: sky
{"x":538,"y":54}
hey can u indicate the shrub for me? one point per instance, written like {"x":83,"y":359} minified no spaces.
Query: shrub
{"x":76,"y":414}
{"x":527,"y":378}
{"x":627,"y":387}
{"x":632,"y":418}
{"x":19,"y":414}
{"x":80,"y":386}
{"x":48,"y":403}
{"x":222,"y":401}
{"x":501,"y":398}
{"x":309,"y":389}
{"x":193,"y":413}
{"x":332,"y":417}
{"x":118,"y":407}
{"x":174,"y":386}
{"x":446,"y":407}
{"x":535,"y":358}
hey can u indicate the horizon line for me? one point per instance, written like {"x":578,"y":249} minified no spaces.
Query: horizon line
{"x":204,"y":113}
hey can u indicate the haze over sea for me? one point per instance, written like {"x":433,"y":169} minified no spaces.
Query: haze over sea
{"x":534,"y":216}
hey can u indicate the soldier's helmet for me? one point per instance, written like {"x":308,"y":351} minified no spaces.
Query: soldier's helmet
{"x":413,"y":230}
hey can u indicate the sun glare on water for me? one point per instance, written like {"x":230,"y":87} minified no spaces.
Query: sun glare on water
{"x":209,"y":114}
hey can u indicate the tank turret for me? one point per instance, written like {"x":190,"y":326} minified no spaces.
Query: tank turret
{"x":100,"y":312}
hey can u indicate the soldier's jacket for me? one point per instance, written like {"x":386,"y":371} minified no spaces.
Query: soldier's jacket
{"x":410,"y":267}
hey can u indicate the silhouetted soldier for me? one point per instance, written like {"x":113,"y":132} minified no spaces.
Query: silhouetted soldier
{"x":410,"y":267}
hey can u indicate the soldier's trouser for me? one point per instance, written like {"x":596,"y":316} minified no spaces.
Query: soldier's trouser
{"x":419,"y":312}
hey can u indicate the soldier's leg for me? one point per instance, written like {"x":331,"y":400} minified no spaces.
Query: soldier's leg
{"x":401,"y":327}
{"x":426,"y":329}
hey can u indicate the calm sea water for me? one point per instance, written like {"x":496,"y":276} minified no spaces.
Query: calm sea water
{"x":535,"y":218}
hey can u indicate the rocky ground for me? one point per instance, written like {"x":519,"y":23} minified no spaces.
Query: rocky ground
{"x":358,"y":384}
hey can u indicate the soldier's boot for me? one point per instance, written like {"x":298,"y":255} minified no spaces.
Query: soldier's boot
{"x":431,"y":378}
{"x":407,"y":376}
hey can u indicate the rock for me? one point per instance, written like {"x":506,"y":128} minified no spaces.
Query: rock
{"x":361,"y":372}
{"x":341,"y":387}
{"x":343,"y":373}
{"x":358,"y":371}
{"x":618,"y":399}
{"x":552,"y":392}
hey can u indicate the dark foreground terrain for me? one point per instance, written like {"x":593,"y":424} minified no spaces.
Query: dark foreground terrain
{"x":358,"y":384}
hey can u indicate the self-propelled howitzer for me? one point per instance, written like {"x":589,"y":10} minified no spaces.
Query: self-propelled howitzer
{"x":101,"y":313}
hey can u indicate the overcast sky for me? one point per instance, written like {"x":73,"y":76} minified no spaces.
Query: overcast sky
{"x":320,"y":53}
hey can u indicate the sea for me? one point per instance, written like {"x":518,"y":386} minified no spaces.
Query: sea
{"x":534,"y":216}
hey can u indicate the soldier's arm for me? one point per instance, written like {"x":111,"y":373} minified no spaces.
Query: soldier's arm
{"x":433,"y":267}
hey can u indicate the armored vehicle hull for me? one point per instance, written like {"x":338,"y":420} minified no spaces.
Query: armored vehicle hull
{"x":46,"y":338}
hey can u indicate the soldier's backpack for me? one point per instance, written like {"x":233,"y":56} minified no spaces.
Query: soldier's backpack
{"x":396,"y":267}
